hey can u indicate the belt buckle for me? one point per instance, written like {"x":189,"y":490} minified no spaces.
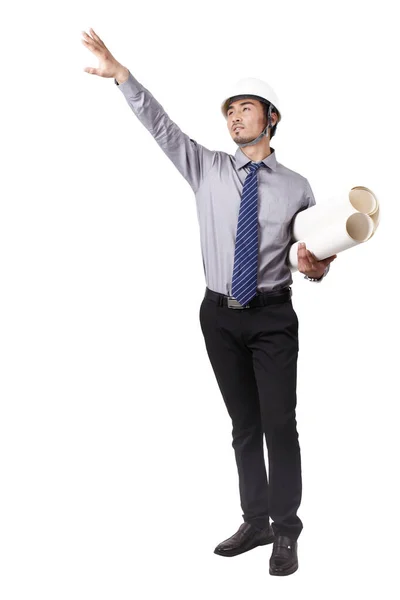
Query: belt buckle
{"x":233,"y":303}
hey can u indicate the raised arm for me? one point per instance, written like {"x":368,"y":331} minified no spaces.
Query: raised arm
{"x":191,"y":159}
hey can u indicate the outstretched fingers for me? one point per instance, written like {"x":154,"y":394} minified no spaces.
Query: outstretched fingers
{"x":95,"y":44}
{"x":96,"y":37}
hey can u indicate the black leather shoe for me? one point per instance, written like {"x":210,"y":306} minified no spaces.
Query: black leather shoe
{"x":246,"y":538}
{"x":283,"y":560}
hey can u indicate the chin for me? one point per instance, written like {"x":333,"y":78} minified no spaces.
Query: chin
{"x":242,"y":140}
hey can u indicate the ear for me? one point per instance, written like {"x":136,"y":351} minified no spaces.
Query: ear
{"x":274,"y":119}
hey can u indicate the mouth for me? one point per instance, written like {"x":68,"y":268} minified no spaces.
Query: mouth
{"x":237,"y":127}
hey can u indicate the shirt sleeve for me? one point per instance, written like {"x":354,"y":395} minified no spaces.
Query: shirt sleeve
{"x":191,"y":159}
{"x":310,"y":201}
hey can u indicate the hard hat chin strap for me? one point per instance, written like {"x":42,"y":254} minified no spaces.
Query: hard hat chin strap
{"x":258,"y":138}
{"x":264,"y":132}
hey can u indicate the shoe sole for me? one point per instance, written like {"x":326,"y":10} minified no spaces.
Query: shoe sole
{"x":230,"y":553}
{"x":289,"y":571}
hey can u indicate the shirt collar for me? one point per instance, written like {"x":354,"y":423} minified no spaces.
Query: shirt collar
{"x":242,"y":160}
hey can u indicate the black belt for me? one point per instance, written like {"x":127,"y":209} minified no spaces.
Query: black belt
{"x":261,"y":299}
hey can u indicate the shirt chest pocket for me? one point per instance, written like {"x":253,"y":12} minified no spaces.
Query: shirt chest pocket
{"x":275,"y":212}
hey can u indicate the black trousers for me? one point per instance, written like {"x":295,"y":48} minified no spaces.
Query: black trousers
{"x":253,"y":353}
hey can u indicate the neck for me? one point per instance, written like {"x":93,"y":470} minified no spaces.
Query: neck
{"x":258,"y":151}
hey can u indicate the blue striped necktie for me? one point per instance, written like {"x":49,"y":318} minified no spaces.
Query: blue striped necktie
{"x":245,"y":266}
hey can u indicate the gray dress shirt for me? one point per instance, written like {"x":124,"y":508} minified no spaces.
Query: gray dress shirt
{"x":217,"y":179}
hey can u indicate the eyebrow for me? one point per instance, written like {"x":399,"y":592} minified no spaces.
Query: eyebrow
{"x":241,"y":104}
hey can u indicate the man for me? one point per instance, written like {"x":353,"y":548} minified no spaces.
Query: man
{"x":246,"y":204}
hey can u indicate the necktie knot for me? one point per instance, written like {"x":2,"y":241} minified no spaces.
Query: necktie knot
{"x":254,"y":167}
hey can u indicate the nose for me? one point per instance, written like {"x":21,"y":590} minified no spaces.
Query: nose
{"x":236,"y":121}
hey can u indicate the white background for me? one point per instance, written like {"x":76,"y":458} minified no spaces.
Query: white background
{"x":117,"y":473}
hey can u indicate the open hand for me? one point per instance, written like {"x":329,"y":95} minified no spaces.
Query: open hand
{"x":309,"y":265}
{"x":108,"y":66}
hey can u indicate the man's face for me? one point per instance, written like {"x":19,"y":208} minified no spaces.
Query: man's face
{"x":246,"y":119}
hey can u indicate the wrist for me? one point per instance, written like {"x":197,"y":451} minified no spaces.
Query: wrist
{"x":121,"y":75}
{"x":313,"y":278}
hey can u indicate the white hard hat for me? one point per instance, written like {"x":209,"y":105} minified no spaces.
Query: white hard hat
{"x":251,"y":86}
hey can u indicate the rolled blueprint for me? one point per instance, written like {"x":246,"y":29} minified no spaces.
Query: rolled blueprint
{"x":331,"y":227}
